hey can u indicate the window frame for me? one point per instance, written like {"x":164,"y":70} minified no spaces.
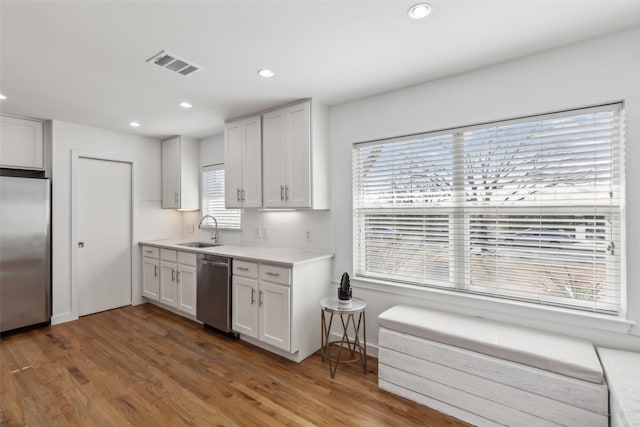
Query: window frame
{"x":220,"y":216}
{"x":459,"y":236}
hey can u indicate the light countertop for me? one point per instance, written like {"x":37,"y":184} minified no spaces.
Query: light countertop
{"x":285,"y":256}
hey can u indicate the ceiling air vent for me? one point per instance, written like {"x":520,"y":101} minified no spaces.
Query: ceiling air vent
{"x":172,"y":62}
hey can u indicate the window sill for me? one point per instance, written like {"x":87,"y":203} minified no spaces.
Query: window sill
{"x":518,"y":312}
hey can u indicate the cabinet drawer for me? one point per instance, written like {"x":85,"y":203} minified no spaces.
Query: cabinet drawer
{"x":246,"y":269}
{"x":275,"y":274}
{"x":187,"y":258}
{"x":169,"y":255}
{"x":150,"y":252}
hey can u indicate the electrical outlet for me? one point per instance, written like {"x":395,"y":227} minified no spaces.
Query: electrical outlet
{"x":257,"y":232}
{"x":265,"y":232}
{"x":308,"y":235}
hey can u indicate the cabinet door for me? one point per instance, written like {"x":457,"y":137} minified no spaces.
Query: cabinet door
{"x":187,"y":291}
{"x":244,"y":312}
{"x":297,"y":156}
{"x":21,"y":143}
{"x":233,"y":141}
{"x":151,"y":278}
{"x":274,"y":315}
{"x":168,"y":285}
{"x":252,"y":163}
{"x":273,"y":152}
{"x":171,"y":173}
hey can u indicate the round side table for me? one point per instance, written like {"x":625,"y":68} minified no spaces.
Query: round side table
{"x":354,"y":347}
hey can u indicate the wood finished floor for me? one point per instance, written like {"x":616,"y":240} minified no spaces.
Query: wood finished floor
{"x":144,"y":366}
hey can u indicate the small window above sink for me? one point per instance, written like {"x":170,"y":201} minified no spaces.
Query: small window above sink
{"x":199,"y":244}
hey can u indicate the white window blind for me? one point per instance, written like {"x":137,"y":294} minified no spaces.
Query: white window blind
{"x":213,"y":199}
{"x":526,"y":209}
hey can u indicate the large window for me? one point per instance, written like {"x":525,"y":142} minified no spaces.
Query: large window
{"x":526,"y":209}
{"x":213,"y":199}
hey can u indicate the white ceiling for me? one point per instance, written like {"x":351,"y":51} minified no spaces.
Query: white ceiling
{"x":84,"y":61}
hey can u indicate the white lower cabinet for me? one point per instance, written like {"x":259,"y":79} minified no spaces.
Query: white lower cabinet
{"x":245,"y":307}
{"x":262,"y":303}
{"x":150,"y":273}
{"x":186,"y":278}
{"x":170,"y":277}
{"x":168,"y":283}
{"x":274,"y":315}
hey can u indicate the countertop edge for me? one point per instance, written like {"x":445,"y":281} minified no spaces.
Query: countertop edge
{"x":235,"y":252}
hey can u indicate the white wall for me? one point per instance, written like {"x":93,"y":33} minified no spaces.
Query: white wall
{"x":276,"y":229}
{"x":598,"y":71}
{"x":151,"y":222}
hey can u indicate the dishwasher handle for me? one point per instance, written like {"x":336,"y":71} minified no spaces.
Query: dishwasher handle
{"x":215,"y":264}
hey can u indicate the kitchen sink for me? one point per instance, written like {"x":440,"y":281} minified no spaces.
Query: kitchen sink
{"x":199,"y":245}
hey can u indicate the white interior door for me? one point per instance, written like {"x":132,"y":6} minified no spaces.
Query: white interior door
{"x":103,"y":246}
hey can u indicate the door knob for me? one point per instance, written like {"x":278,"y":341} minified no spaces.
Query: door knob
{"x":81,"y":244}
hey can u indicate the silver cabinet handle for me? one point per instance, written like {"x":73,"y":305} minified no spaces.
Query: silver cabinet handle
{"x":243,"y":268}
{"x":243,"y":195}
{"x":148,"y":251}
{"x":260,"y":299}
{"x":155,"y":271}
{"x":178,"y":277}
{"x":176,"y":199}
{"x":286,"y":192}
{"x":237,"y":194}
{"x":282,"y":192}
{"x":173,"y":275}
{"x":269,"y":273}
{"x":253,"y":296}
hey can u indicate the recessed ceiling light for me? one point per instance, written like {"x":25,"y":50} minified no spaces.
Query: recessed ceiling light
{"x":134,"y":124}
{"x":419,"y":11}
{"x":2,"y":96}
{"x":185,"y":104}
{"x":263,"y":72}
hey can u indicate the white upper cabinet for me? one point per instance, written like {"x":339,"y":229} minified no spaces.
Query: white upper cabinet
{"x":295,"y":157}
{"x":21,"y":143}
{"x":243,"y":163}
{"x":181,"y":173}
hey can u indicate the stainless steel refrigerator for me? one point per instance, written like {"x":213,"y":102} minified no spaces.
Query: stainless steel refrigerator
{"x":25,"y":272}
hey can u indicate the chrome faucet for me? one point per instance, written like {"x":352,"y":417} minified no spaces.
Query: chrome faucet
{"x":215,"y":236}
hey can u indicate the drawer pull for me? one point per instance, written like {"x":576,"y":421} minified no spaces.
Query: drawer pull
{"x":269,"y":273}
{"x":149,"y":252}
{"x":243,"y":268}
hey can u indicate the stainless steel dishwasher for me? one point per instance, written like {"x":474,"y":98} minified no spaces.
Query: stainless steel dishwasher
{"x":213,"y":306}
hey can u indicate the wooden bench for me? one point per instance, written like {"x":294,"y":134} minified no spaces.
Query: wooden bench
{"x":622,"y":372}
{"x":490,"y":373}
